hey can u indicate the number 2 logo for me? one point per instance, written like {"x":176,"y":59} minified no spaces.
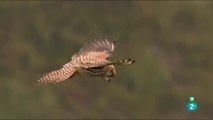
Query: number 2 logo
{"x":191,"y":107}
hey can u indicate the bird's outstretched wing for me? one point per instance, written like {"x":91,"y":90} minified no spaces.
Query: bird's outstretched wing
{"x":94,"y":54}
{"x":67,"y":71}
{"x":98,"y":49}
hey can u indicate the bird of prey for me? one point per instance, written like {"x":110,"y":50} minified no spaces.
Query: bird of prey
{"x":90,"y":60}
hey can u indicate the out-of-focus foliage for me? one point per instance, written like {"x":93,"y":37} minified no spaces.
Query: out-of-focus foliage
{"x":170,"y":41}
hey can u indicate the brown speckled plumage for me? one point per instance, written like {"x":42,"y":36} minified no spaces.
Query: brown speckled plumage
{"x":90,"y":60}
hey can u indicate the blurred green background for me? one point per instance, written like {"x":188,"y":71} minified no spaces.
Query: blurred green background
{"x":170,"y":41}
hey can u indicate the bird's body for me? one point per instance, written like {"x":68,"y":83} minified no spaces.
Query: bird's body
{"x":90,"y":61}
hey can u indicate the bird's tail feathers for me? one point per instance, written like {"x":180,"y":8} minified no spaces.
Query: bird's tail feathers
{"x":59,"y":75}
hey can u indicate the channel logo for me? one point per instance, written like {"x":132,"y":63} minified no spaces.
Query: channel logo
{"x":191,"y":106}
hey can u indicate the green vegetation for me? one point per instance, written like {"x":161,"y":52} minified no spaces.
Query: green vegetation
{"x":170,"y":41}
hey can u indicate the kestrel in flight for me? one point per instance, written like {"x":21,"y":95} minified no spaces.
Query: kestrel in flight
{"x":90,"y":60}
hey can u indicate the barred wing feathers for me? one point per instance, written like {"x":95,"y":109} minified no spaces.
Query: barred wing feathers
{"x":94,"y":54}
{"x":98,"y":49}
